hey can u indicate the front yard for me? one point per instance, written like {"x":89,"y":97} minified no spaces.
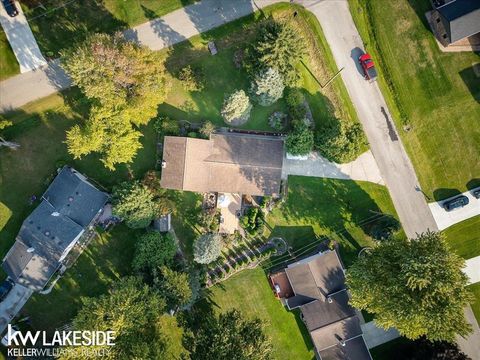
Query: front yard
{"x":436,"y":93}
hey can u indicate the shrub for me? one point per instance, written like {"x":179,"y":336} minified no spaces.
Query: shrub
{"x":153,"y":250}
{"x":294,"y":97}
{"x":253,"y":221}
{"x":192,"y":134}
{"x":236,"y":108}
{"x":340,"y":141}
{"x":166,"y":126}
{"x":300,"y":140}
{"x":207,"y":129}
{"x":207,"y":248}
{"x":192,"y":79}
{"x":277,"y":120}
{"x":267,"y":86}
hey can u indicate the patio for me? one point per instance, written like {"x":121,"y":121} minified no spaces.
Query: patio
{"x":230,"y":210}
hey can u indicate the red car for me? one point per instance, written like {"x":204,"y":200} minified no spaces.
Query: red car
{"x":368,"y":66}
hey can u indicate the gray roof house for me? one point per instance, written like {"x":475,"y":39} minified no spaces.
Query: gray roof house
{"x":460,"y":18}
{"x":318,"y":284}
{"x":68,"y":207}
{"x":229,"y":163}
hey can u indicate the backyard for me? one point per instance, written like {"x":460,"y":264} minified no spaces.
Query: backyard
{"x":436,"y":93}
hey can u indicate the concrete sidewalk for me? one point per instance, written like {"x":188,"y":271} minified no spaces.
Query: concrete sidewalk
{"x":21,"y":40}
{"x":444,"y":219}
{"x":364,"y":168}
{"x":156,"y":34}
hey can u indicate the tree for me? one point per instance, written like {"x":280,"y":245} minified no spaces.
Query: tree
{"x":165,"y":200}
{"x":236,"y":108}
{"x":207,"y":129}
{"x":192,"y":79}
{"x":267,"y":86}
{"x":230,"y":337}
{"x":340,"y":141}
{"x":174,"y":286}
{"x":131,"y":310}
{"x":153,"y":250}
{"x":300,"y":140}
{"x":125,"y":82}
{"x":278,"y":45}
{"x":422,"y":349}
{"x":12,"y":145}
{"x":134,"y":203}
{"x":207,"y":248}
{"x":416,"y":286}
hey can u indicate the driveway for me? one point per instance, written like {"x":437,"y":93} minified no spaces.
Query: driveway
{"x":167,"y":30}
{"x":363,"y":168}
{"x":393,"y":162}
{"x":12,"y":304}
{"x":445,"y":219}
{"x":21,"y":40}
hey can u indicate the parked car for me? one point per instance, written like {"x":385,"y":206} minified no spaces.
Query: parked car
{"x":455,"y":203}
{"x":476,"y":193}
{"x":10,"y":7}
{"x":5,"y":288}
{"x":368,"y":67}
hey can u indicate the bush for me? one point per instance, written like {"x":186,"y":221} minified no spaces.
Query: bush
{"x":384,"y":228}
{"x":192,"y":134}
{"x":340,"y":141}
{"x":294,"y":97}
{"x":267,"y":86}
{"x":153,"y":250}
{"x":207,"y":248}
{"x":277,"y":120}
{"x":236,"y":108}
{"x":166,"y":126}
{"x":300,"y":140}
{"x":207,"y":129}
{"x":253,"y":221}
{"x":193,"y":79}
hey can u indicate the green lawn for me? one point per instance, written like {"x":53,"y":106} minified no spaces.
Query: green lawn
{"x":437,"y":93}
{"x":8,"y":62}
{"x":464,"y":237}
{"x":343,"y":210}
{"x":250,"y":293}
{"x":475,"y":289}
{"x":105,"y":260}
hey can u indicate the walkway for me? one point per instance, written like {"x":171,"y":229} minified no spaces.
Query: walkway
{"x":364,"y":168}
{"x":445,"y":219}
{"x":395,"y":166}
{"x":21,"y":40}
{"x":156,"y":34}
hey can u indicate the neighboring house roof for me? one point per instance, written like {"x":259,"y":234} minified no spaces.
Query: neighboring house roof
{"x":67,"y":208}
{"x":230,"y":163}
{"x":319,"y":286}
{"x":461,"y":18}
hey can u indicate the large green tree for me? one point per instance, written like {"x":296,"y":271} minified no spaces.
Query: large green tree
{"x":153,"y":250}
{"x":131,"y":310}
{"x":267,"y":86}
{"x":278,"y":45}
{"x":134,"y":203}
{"x":300,"y":140}
{"x":229,"y":337}
{"x":236,"y":108}
{"x":416,"y":286}
{"x":174,"y":286}
{"x":125,"y":83}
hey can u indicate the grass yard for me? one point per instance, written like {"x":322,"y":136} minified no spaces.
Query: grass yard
{"x":343,"y":210}
{"x":104,"y":261}
{"x":250,"y":293}
{"x":475,"y":289}
{"x":437,"y":93}
{"x":8,"y":62}
{"x":464,"y":237}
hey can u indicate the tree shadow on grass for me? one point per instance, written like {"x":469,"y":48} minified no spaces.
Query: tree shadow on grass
{"x":443,"y":193}
{"x":471,"y":78}
{"x":303,"y":330}
{"x":472,"y":184}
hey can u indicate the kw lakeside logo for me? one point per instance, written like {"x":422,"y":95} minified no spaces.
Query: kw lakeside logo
{"x":58,"y":343}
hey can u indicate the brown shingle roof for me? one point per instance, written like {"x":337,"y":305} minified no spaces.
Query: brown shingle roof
{"x":232,"y":163}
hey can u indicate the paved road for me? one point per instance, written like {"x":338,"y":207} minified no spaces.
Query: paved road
{"x":156,"y":34}
{"x":445,"y":219}
{"x":363,"y":168}
{"x":21,"y":40}
{"x":395,"y":166}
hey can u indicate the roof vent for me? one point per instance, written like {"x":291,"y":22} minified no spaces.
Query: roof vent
{"x":47,"y":233}
{"x":343,"y":343}
{"x":70,"y":198}
{"x":329,"y":299}
{"x":55,"y":213}
{"x":164,"y":164}
{"x":30,"y":250}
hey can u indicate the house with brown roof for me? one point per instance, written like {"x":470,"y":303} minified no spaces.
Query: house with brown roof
{"x":316,"y":285}
{"x":225,"y":163}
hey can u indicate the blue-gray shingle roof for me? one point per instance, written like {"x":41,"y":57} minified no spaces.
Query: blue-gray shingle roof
{"x":461,"y":18}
